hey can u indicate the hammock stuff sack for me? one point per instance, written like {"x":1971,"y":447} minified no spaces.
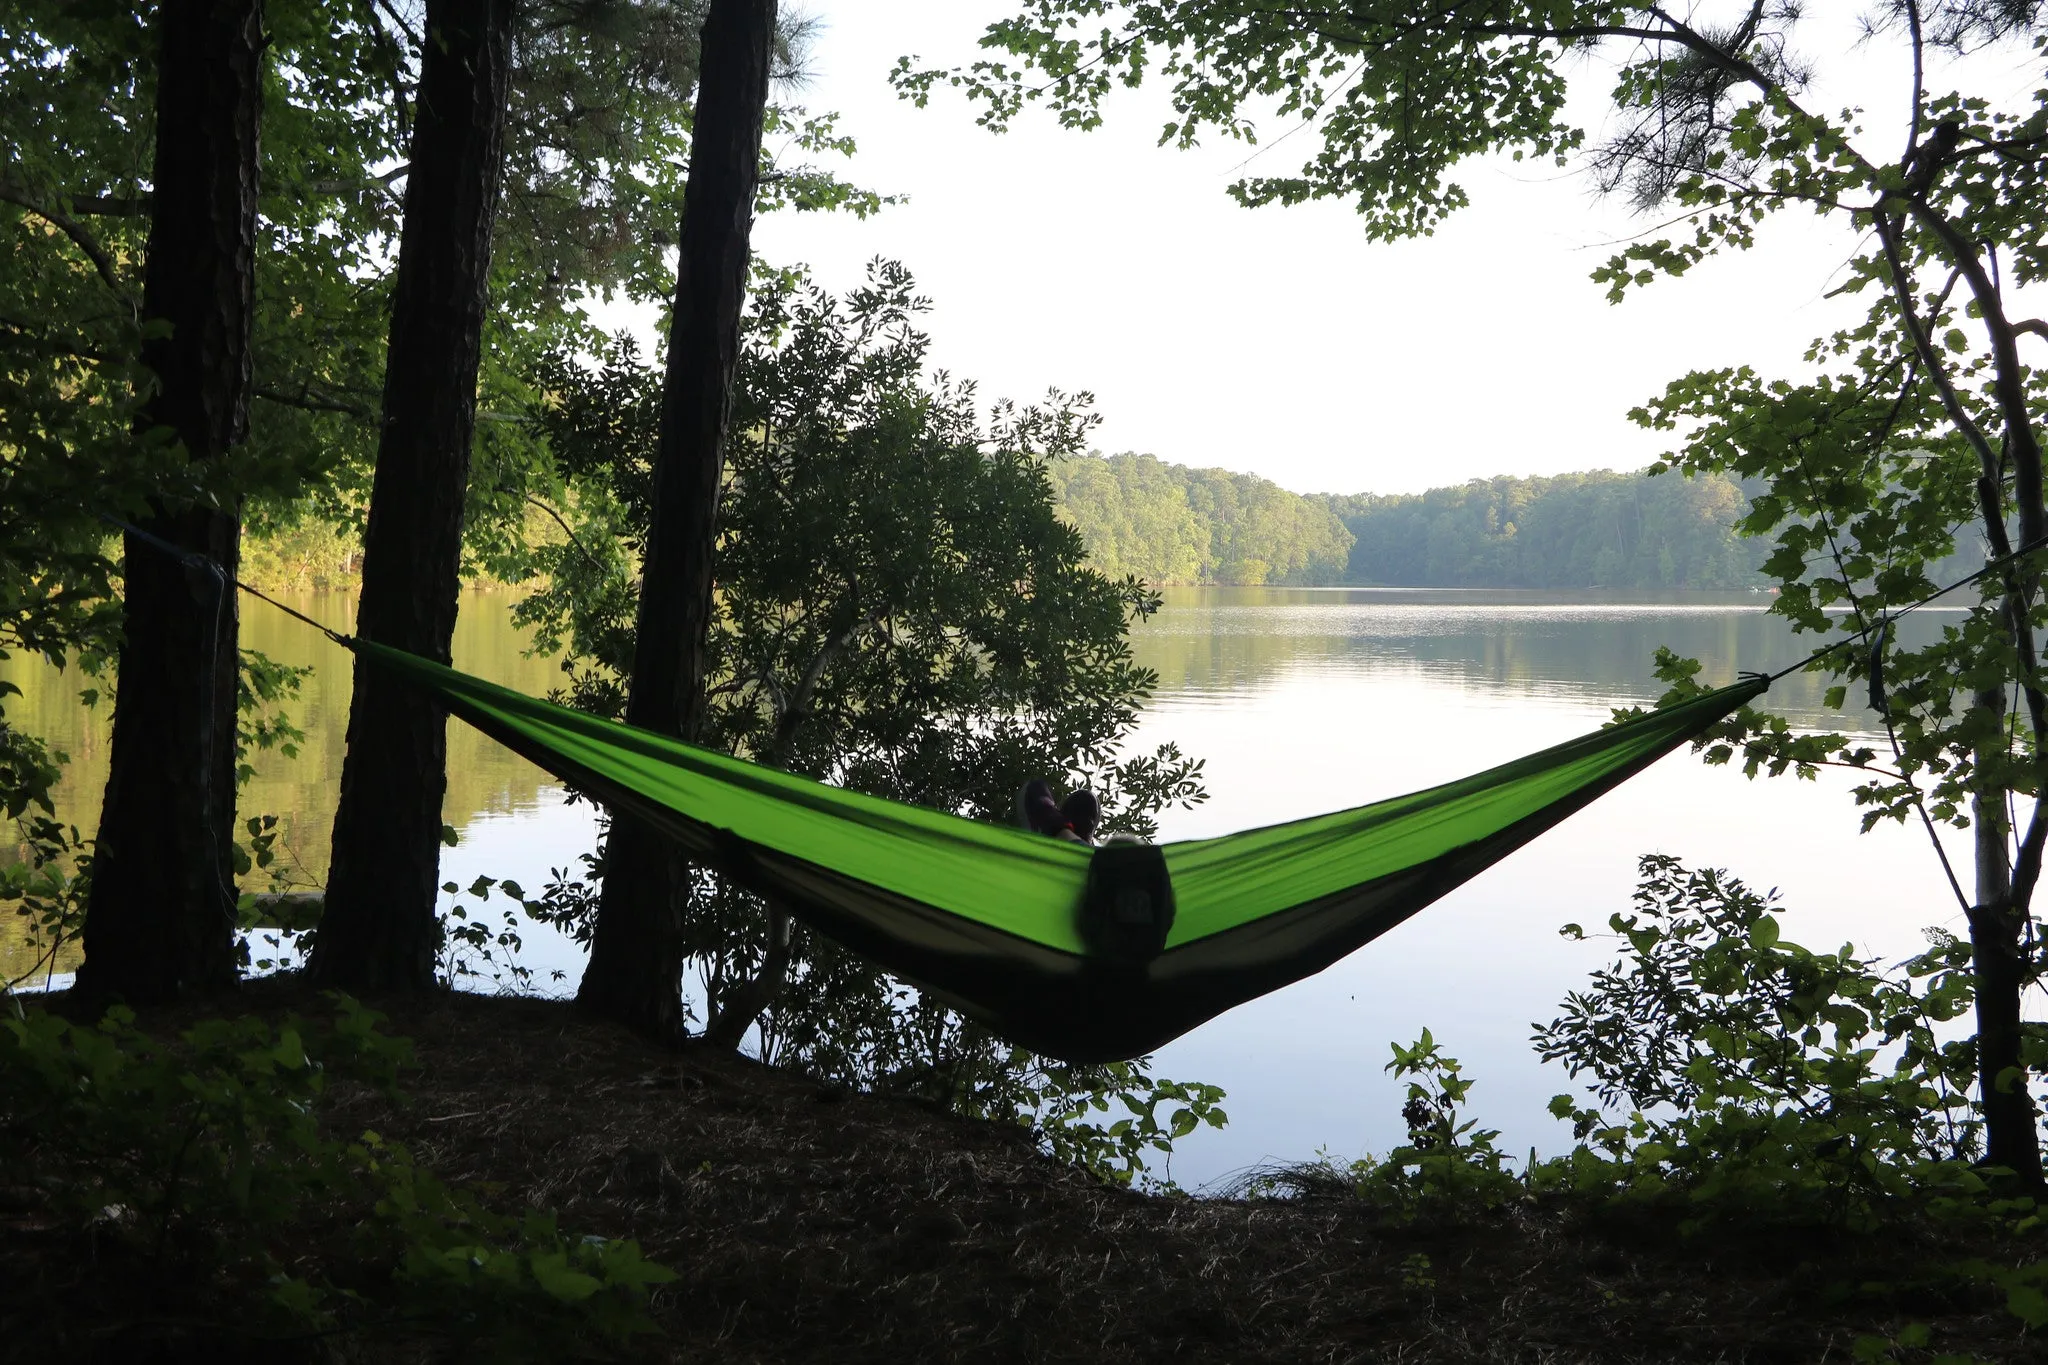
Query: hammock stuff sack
{"x":1083,"y":954}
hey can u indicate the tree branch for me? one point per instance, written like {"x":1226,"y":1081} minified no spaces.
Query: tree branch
{"x":2016,"y":604}
{"x":798,"y":706}
{"x":137,"y":205}
{"x":581,"y":548}
{"x":309,"y":401}
{"x":2010,"y":391}
{"x":1919,"y":76}
{"x":398,"y":21}
{"x":746,"y":1002}
{"x":34,"y":335}
{"x":2026,"y":872}
{"x":110,"y":205}
{"x":1951,"y":401}
{"x":80,"y":235}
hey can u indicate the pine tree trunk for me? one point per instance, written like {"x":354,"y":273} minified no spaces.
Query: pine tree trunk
{"x":378,"y":930}
{"x":160,"y":914}
{"x":636,"y":958}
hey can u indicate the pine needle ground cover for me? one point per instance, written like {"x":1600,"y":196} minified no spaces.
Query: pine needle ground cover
{"x":806,"y":1222}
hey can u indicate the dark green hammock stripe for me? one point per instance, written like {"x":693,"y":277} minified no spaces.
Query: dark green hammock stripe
{"x":986,"y":916}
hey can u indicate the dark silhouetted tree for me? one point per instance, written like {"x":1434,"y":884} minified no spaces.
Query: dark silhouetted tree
{"x":160,"y":919}
{"x":379,"y":931}
{"x":636,"y":960}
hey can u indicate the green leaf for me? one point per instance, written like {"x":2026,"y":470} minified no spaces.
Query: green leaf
{"x":552,"y":1273}
{"x":2028,"y":1304}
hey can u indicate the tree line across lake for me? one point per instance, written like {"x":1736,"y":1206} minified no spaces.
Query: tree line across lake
{"x":1176,"y":525}
{"x":1167,"y":523}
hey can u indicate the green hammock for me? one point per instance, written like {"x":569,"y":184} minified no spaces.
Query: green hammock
{"x":1043,"y":940}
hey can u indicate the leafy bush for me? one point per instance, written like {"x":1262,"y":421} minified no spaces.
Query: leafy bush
{"x":198,"y":1173}
{"x":1760,"y":1079}
{"x":1449,"y":1170}
{"x":481,"y":944}
{"x":1738,"y":1078}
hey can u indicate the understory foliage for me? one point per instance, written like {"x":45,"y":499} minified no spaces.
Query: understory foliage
{"x":45,"y":883}
{"x":1757,"y":1078}
{"x":901,"y":612}
{"x":1737,"y":1078}
{"x":1740,"y":1084}
{"x":1113,"y":1119}
{"x":189,"y":1165}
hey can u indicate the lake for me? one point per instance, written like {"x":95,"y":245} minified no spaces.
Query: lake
{"x":1300,"y":701}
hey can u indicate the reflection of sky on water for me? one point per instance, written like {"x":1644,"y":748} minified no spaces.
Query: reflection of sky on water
{"x":1311,"y":717}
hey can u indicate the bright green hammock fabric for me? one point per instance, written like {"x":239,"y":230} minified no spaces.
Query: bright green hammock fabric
{"x":989,"y":918}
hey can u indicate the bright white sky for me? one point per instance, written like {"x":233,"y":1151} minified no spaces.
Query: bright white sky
{"x":1279,"y":341}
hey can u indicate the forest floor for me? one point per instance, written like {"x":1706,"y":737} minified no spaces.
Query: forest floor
{"x":807,"y":1223}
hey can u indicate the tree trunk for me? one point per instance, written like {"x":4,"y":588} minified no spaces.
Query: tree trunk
{"x":2011,"y":1138}
{"x":378,"y":930}
{"x":636,"y":958}
{"x":161,"y":911}
{"x":733,"y":1015}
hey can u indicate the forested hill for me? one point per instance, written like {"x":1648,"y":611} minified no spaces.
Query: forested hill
{"x":1592,"y":530}
{"x":1167,"y":523}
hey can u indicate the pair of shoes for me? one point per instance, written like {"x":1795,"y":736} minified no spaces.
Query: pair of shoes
{"x":1076,"y":818}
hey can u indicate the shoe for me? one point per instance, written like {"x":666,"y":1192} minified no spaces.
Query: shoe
{"x":1083,"y":813}
{"x":1037,"y":811}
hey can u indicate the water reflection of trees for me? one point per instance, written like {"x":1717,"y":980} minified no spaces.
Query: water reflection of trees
{"x":1219,"y":641}
{"x":483,"y":777}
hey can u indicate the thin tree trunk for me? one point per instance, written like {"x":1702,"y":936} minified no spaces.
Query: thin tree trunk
{"x":378,"y":930}
{"x":160,"y":915}
{"x":636,"y":957}
{"x":736,"y":1009}
{"x":2011,"y":1137}
{"x":2004,"y":901}
{"x":732,"y":1012}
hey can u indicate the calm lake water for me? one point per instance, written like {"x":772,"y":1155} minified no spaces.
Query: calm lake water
{"x":1300,"y":701}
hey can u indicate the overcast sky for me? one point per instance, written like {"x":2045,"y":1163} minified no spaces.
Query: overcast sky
{"x":1278,"y":340}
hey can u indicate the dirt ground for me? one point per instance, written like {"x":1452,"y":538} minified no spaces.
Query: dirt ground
{"x":807,"y":1223}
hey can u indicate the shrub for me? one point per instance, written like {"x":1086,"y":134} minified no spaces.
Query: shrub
{"x":1756,"y":1079}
